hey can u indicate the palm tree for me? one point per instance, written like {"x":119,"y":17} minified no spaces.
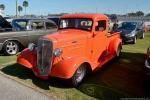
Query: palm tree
{"x":20,"y":9}
{"x":2,"y":6}
{"x":25,"y":5}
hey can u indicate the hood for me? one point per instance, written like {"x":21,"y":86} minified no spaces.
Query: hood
{"x":124,"y":31}
{"x":69,"y":36}
{"x":4,"y":23}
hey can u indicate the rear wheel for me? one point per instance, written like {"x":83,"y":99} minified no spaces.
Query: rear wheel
{"x":79,"y":75}
{"x":10,"y":48}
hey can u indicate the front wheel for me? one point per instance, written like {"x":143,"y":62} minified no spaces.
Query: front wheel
{"x":142,"y":36}
{"x":78,"y":75}
{"x":10,"y":48}
{"x":135,"y":40}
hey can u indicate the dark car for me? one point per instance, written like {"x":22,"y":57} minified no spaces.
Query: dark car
{"x":21,"y":32}
{"x":131,"y":31}
{"x":55,"y":19}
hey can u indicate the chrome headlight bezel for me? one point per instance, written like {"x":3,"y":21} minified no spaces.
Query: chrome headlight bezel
{"x":31,"y":46}
{"x":58,"y":52}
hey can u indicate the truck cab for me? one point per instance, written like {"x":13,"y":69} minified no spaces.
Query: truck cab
{"x":83,"y":43}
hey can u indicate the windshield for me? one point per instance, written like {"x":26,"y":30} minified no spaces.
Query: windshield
{"x":77,"y":23}
{"x":128,"y":25}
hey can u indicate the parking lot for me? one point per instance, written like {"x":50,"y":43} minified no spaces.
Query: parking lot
{"x":120,"y":78}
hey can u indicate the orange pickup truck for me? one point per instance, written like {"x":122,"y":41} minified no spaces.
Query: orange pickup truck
{"x":83,"y":43}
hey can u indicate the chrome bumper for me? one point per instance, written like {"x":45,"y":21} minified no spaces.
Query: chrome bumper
{"x":147,"y":63}
{"x":1,"y":46}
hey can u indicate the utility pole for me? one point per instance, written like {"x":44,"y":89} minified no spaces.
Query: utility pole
{"x":16,"y":8}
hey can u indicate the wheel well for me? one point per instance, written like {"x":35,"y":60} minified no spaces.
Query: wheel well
{"x":21,"y":47}
{"x":88,"y":66}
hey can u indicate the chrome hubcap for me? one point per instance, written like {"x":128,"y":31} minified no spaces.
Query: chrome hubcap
{"x":11,"y":48}
{"x":80,"y":74}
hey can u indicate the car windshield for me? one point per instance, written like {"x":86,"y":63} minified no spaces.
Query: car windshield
{"x":76,"y":23}
{"x":128,"y":25}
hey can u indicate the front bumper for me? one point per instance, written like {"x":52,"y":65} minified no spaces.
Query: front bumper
{"x":127,"y":39}
{"x":1,"y":46}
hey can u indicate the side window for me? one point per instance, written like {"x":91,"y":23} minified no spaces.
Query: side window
{"x":100,"y":25}
{"x":50,"y":25}
{"x":37,"y":25}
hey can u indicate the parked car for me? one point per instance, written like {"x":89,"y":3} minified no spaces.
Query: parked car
{"x":131,"y":31}
{"x":147,"y":62}
{"x":55,"y":19}
{"x":81,"y":44}
{"x":17,"y":36}
{"x":5,"y":26}
{"x":147,"y":28}
{"x":9,"y":19}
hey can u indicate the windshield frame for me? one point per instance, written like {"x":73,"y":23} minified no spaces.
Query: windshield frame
{"x":78,"y":27}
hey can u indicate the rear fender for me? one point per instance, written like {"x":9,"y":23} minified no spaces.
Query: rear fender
{"x":113,"y":46}
{"x":66,"y":68}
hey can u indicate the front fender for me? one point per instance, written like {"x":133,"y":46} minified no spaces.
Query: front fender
{"x":67,"y":67}
{"x":27,"y":58}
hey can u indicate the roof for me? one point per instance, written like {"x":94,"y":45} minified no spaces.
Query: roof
{"x":83,"y":15}
{"x":29,"y":19}
{"x":34,"y":19}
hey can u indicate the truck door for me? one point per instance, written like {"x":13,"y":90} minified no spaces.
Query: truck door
{"x":100,"y":40}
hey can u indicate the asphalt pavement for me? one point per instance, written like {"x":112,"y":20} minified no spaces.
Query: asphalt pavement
{"x":12,"y":90}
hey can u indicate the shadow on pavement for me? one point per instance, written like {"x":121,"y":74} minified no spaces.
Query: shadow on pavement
{"x":116,"y":79}
{"x":24,"y":74}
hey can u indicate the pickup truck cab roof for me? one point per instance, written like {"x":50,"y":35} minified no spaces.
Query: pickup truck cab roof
{"x":92,"y":16}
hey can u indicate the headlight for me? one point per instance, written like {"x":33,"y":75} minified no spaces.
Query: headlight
{"x":58,"y":52}
{"x":31,"y":46}
{"x":130,"y":35}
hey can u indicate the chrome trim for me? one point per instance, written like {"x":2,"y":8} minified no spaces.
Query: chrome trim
{"x":44,"y":56}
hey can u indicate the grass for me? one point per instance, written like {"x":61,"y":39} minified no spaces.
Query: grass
{"x":7,"y":60}
{"x":119,"y":78}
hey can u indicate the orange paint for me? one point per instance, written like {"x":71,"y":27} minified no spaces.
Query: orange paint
{"x":78,"y":46}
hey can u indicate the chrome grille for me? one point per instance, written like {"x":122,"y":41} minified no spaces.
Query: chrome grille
{"x":44,"y":56}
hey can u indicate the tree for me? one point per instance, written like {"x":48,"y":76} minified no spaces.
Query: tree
{"x":20,"y":9}
{"x":148,"y":15}
{"x":140,"y":13}
{"x":25,"y":5}
{"x":2,"y":6}
{"x":131,"y":14}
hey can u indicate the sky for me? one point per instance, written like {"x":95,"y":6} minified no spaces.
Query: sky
{"x":44,"y":7}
